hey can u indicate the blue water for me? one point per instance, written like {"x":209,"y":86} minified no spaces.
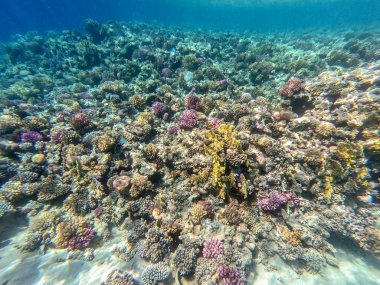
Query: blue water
{"x":19,"y":16}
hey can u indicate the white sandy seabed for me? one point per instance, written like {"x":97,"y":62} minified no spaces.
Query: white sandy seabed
{"x":53,"y":268}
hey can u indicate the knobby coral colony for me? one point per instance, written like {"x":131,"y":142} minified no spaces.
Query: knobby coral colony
{"x":203,"y":149}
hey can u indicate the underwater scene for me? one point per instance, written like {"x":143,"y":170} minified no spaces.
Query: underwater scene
{"x":215,"y":142}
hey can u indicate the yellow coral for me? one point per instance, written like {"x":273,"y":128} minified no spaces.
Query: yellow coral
{"x":328,"y":189}
{"x":348,"y":153}
{"x":372,"y":146}
{"x":151,"y":151}
{"x":137,"y":101}
{"x":325,"y":129}
{"x":361,"y":177}
{"x":291,"y":237}
{"x":197,"y":213}
{"x":221,"y":139}
{"x":103,"y":143}
{"x":145,"y":118}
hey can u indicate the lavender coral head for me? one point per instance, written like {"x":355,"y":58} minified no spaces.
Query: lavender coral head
{"x":82,"y":241}
{"x":192,"y":101}
{"x":229,"y":275}
{"x":214,"y":123}
{"x":32,"y":137}
{"x":188,"y":120}
{"x":173,"y":130}
{"x":81,"y":122}
{"x":158,"y":109}
{"x":276,"y":199}
{"x":293,"y":86}
{"x":212,"y":248}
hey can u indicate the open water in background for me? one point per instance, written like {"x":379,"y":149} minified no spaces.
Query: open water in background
{"x":20,"y":16}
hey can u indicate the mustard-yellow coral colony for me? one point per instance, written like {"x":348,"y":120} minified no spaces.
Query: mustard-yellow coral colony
{"x":134,"y":154}
{"x":224,"y":148}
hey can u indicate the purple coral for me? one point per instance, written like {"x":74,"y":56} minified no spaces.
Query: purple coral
{"x":173,"y":130}
{"x":293,"y":199}
{"x":276,"y":199}
{"x":212,"y":248}
{"x":188,"y":120}
{"x":214,"y":123}
{"x":32,"y":137}
{"x":293,"y":86}
{"x":230,"y":275}
{"x":158,"y":109}
{"x":192,"y":101}
{"x":81,"y":122}
{"x":58,"y":137}
{"x":82,"y":241}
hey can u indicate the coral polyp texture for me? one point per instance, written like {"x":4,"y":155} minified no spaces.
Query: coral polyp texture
{"x":189,"y":158}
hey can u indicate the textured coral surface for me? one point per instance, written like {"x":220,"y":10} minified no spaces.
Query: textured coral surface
{"x":135,"y":154}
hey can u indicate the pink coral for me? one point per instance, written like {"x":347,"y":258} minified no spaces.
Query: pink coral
{"x":192,"y":101}
{"x":230,"y":275}
{"x":214,"y":123}
{"x":81,"y":122}
{"x":159,"y":109}
{"x":292,"y":87}
{"x":188,"y":120}
{"x":276,"y":199}
{"x":212,"y":248}
{"x":82,"y":241}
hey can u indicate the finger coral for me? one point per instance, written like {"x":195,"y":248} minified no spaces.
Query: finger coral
{"x":155,"y":273}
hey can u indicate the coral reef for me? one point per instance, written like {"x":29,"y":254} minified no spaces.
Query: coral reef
{"x":197,"y":156}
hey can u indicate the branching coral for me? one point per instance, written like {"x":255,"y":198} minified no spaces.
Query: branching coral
{"x":212,"y":248}
{"x":223,"y":142}
{"x":155,"y":273}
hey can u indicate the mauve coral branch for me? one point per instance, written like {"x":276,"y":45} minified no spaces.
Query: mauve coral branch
{"x":158,"y":109}
{"x":292,"y":87}
{"x":188,"y":120}
{"x":192,"y":101}
{"x":276,"y":199}
{"x":229,"y":275}
{"x":212,"y":248}
{"x":32,"y":137}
